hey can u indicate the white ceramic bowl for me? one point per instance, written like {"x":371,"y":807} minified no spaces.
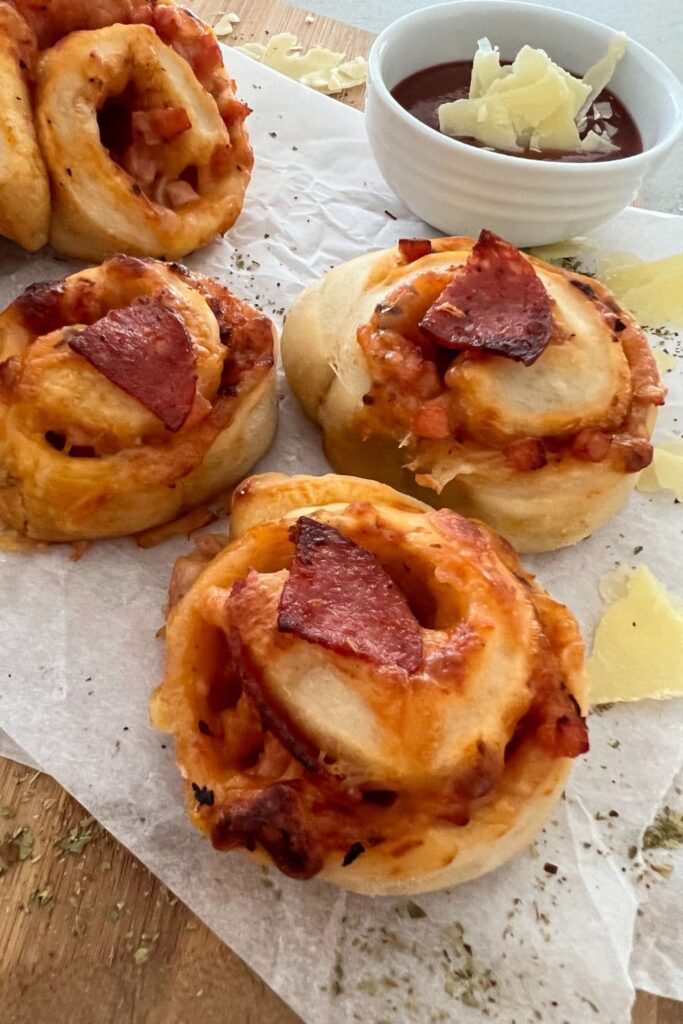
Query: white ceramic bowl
{"x":460,"y":189}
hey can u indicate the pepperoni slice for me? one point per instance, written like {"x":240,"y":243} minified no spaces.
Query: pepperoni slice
{"x":496,"y":303}
{"x":412,"y":249}
{"x":339,"y":596}
{"x":146,"y":351}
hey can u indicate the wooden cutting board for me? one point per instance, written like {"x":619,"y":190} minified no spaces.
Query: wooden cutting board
{"x":87,"y":934}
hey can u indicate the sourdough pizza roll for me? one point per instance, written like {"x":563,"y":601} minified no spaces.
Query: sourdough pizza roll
{"x":140,"y":128}
{"x":129,"y":393}
{"x":24,"y":186}
{"x":366,"y":689}
{"x":479,"y":379}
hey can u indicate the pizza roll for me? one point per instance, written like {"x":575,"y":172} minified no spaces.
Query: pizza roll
{"x":140,"y":128}
{"x":368,"y":690}
{"x":129,"y":393}
{"x":479,"y":379}
{"x":24,"y":185}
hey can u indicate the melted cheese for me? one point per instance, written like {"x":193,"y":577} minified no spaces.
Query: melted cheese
{"x":651,"y":290}
{"x":638,"y":649}
{"x":319,"y":68}
{"x":532,"y":104}
{"x":665,"y":473}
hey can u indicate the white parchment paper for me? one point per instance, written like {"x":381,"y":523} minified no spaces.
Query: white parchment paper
{"x":549,"y":936}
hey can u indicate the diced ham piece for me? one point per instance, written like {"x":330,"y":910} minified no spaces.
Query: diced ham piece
{"x":140,"y":164}
{"x":178,"y":193}
{"x":431,"y":421}
{"x":591,"y":445}
{"x":526,"y":454}
{"x":412,"y":249}
{"x":154,"y":127}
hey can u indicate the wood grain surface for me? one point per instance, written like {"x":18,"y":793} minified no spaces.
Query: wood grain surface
{"x":87,"y":934}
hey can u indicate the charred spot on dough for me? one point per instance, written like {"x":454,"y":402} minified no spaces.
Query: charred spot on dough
{"x":136,"y":266}
{"x":203,"y":795}
{"x":274,"y":820}
{"x":55,"y":440}
{"x":40,"y":306}
{"x":584,"y":287}
{"x":353,"y":853}
{"x":379,"y":797}
{"x":82,"y":451}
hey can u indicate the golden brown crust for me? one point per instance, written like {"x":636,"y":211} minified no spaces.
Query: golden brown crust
{"x":324,"y":763}
{"x":511,"y":444}
{"x":80,"y":457}
{"x":22,"y":170}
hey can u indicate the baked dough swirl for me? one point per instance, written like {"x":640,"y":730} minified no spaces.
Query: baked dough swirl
{"x":129,"y":393}
{"x":24,"y":185}
{"x":366,"y":689}
{"x":532,"y":407}
{"x":140,"y":128}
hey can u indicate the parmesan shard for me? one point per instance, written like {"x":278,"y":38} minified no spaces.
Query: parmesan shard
{"x":594,"y":143}
{"x":651,"y":290}
{"x":638,"y":648}
{"x":318,"y":68}
{"x":665,"y":472}
{"x":485,"y":69}
{"x":533,"y":104}
{"x":224,"y":26}
{"x":598,"y":76}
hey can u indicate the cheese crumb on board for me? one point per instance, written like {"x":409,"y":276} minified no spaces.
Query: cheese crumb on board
{"x":225,"y":24}
{"x":638,"y":648}
{"x":665,"y":472}
{"x":651,"y":290}
{"x":319,"y":68}
{"x":531,"y":104}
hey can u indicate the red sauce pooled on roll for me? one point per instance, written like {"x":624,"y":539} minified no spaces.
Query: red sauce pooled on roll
{"x":422,"y":93}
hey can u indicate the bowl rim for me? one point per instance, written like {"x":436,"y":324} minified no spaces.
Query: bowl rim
{"x":669,"y":82}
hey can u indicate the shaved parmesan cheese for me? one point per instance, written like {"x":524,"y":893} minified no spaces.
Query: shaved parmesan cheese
{"x":319,"y":68}
{"x":597,"y":77}
{"x":343,"y":76}
{"x":224,"y":26}
{"x":650,"y":290}
{"x":485,"y":69}
{"x":665,"y":472}
{"x":578,"y":248}
{"x":532,"y":104}
{"x":254,"y":50}
{"x":638,"y":649}
{"x":594,"y":143}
